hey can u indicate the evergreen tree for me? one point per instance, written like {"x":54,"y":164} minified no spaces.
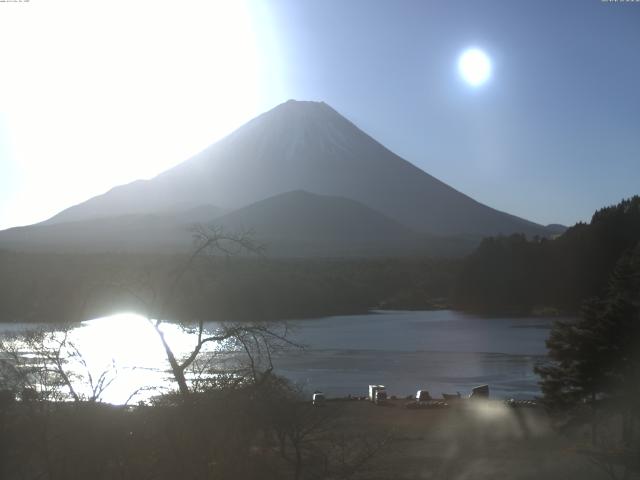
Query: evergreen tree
{"x":595,"y":360}
{"x":519,"y":274}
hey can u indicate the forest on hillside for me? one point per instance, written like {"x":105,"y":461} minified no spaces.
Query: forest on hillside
{"x":510,"y":274}
{"x":43,"y":287}
{"x":505,"y":274}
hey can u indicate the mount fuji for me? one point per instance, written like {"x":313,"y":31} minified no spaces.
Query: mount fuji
{"x":298,"y":146}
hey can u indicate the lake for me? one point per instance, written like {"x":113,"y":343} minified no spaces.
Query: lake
{"x":440,"y":351}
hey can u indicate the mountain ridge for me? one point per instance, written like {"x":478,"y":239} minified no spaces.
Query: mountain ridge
{"x":291,"y":224}
{"x":298,"y":152}
{"x":307,"y":146}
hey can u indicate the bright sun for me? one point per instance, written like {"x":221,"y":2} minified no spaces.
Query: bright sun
{"x":122,"y":90}
{"x":474,"y":66}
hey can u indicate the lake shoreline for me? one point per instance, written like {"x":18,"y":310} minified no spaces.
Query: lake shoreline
{"x":437,"y":350}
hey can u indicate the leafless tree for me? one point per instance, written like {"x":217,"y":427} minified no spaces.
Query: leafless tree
{"x":46,"y":364}
{"x":257,"y":340}
{"x":319,"y":442}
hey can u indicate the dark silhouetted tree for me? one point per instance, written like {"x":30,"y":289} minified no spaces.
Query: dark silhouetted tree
{"x":594,"y":368}
{"x":507,"y":274}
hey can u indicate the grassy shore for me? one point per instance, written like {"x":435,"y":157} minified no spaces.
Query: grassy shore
{"x":249,"y":434}
{"x":486,"y":440}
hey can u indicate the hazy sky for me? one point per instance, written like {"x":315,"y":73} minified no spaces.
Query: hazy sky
{"x":94,"y":94}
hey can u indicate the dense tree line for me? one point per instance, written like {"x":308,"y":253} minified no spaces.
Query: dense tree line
{"x":39,"y":287}
{"x":593,"y":373}
{"x":516,"y":274}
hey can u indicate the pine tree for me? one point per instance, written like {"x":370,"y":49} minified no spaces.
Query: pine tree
{"x":595,"y":360}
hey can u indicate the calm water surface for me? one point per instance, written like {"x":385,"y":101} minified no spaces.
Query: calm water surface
{"x":441,"y":351}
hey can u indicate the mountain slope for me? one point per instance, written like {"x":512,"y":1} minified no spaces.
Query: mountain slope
{"x":158,"y":232}
{"x":305,"y":146}
{"x":292,"y":224}
{"x":299,"y":223}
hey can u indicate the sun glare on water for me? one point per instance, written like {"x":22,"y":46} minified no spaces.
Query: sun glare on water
{"x":128,"y":350}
